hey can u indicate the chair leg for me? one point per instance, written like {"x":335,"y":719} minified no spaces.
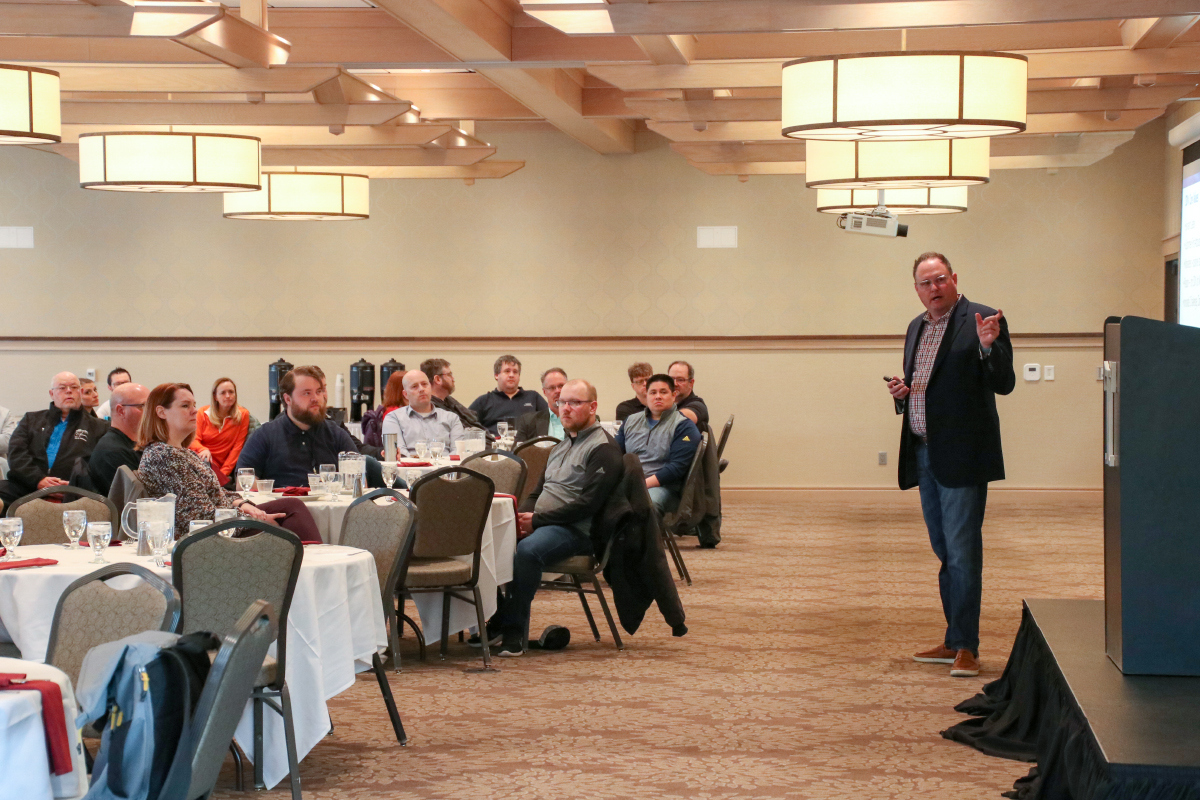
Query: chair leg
{"x":394,"y":626}
{"x":676,"y":556}
{"x":388,"y":700}
{"x":483,"y":637}
{"x":587,"y":610}
{"x":445,"y":622}
{"x":612,"y":626}
{"x":417,"y":631}
{"x":239,"y":767}
{"x":289,"y":735}
{"x":259,"y":781}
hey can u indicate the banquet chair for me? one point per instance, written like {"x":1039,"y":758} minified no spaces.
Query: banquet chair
{"x":386,"y":532}
{"x":43,"y":519}
{"x":126,"y":487}
{"x":507,"y":471}
{"x":721,"y":444}
{"x":675,"y":523}
{"x":571,"y":574}
{"x":453,"y":504}
{"x":226,"y":690}
{"x":91,"y":613}
{"x":535,"y":453}
{"x":217,"y":579}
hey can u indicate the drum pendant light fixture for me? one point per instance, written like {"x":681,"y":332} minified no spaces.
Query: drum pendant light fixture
{"x":897,"y":165}
{"x":29,"y":106}
{"x":300,"y":196}
{"x":905,"y":95}
{"x":169,"y":161}
{"x":937,"y":200}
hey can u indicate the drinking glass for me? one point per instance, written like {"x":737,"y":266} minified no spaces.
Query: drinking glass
{"x":222,"y":514}
{"x":435,"y":450}
{"x":328,"y":473}
{"x":99,"y":535}
{"x":390,"y":473}
{"x":412,"y":476}
{"x":198,"y":524}
{"x":245,"y":479}
{"x":421,"y":449}
{"x":160,"y":538}
{"x":266,"y":487}
{"x":314,"y":483}
{"x":502,"y":429}
{"x":74,"y":523}
{"x":10,"y":536}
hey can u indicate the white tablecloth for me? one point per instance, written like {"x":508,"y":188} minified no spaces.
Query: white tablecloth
{"x":334,"y":626}
{"x":24,"y":763}
{"x":495,"y":563}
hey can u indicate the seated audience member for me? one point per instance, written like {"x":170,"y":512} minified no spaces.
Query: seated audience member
{"x":372,"y":421}
{"x":51,"y":447}
{"x":508,"y":400}
{"x":167,"y":428}
{"x":116,"y":377}
{"x":222,"y":428}
{"x":296,"y":443}
{"x":8,"y":424}
{"x":556,"y":519}
{"x":665,"y":441}
{"x":420,"y":420}
{"x":638,"y":374}
{"x":117,"y":446}
{"x":545,"y":423}
{"x":689,"y":404}
{"x":441,"y":382}
{"x":90,"y":397}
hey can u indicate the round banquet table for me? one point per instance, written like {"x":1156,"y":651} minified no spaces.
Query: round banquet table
{"x":24,"y":762}
{"x":335,"y":625}
{"x":495,"y":562}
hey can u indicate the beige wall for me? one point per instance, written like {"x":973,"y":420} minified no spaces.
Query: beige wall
{"x":582,"y":245}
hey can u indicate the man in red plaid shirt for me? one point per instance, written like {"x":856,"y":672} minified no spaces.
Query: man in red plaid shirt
{"x":957,"y":358}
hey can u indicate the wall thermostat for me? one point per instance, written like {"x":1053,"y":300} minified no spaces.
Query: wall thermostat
{"x":1033,"y":372}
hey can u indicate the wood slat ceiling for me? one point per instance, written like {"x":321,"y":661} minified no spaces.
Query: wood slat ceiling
{"x":398,"y":88}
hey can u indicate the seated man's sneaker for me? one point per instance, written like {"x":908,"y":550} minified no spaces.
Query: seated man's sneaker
{"x":494,"y":636}
{"x":513,"y":645}
{"x":938,"y":655}
{"x":966,"y":665}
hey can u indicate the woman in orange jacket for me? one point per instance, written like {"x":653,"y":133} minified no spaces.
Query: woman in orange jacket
{"x":222,"y":428}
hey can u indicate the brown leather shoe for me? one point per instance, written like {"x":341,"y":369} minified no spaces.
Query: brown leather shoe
{"x":966,"y":665}
{"x":938,"y":655}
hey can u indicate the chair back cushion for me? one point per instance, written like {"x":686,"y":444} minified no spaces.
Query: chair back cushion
{"x":381,"y":530}
{"x":535,"y":453}
{"x":507,"y":472}
{"x":94,"y":613}
{"x":127,"y":486}
{"x":453,"y":505}
{"x":43,"y":521}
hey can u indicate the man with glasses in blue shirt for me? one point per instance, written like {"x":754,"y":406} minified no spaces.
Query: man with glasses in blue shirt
{"x":957,"y":358}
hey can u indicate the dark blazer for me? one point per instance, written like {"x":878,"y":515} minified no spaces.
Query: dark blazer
{"x":962,"y":425}
{"x":27,"y":459}
{"x":533,"y":425}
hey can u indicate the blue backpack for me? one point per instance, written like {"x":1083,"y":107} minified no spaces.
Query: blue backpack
{"x":141,"y":691}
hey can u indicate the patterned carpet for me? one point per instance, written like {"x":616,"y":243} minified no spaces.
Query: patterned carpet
{"x":795,"y":681}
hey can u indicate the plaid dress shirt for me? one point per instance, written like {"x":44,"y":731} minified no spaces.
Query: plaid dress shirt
{"x":927,"y":350}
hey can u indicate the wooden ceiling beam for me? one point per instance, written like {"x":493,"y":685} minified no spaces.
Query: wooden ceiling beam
{"x":294,"y":136}
{"x":742,"y":16}
{"x":343,"y":157}
{"x":482,"y":170}
{"x":175,"y":113}
{"x":668,"y":49}
{"x":236,"y":42}
{"x":1140,"y":34}
{"x":106,"y":78}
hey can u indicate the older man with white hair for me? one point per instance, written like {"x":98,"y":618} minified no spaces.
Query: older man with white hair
{"x":420,"y":420}
{"x":51,"y":447}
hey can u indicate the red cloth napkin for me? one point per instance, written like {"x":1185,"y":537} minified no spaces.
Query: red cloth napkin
{"x":29,"y":562}
{"x":293,"y":491}
{"x":456,"y":458}
{"x":54,"y":718}
{"x":416,"y":463}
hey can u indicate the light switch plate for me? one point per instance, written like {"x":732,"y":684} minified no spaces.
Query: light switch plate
{"x":1048,"y":372}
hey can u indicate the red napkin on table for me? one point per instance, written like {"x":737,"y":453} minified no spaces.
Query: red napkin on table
{"x":54,"y":718}
{"x":29,"y":562}
{"x":293,"y":491}
{"x":456,"y":458}
{"x":416,"y":463}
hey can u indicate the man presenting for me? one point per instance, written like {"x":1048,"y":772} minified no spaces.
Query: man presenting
{"x":957,"y":358}
{"x":116,"y":447}
{"x":51,"y":447}
{"x":420,"y":421}
{"x":547,"y":422}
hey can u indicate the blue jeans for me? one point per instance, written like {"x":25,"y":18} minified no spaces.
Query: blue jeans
{"x":545,"y":546}
{"x":954,"y":517}
{"x":664,"y":499}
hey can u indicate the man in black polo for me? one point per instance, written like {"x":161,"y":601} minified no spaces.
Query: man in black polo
{"x":51,"y":447}
{"x":295,"y":444}
{"x":115,"y":448}
{"x":688,"y":402}
{"x":639,"y":373}
{"x":508,"y":401}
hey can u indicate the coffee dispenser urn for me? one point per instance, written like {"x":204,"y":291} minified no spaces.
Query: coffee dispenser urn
{"x":274,"y":373}
{"x":362,"y":388}
{"x":385,"y":371}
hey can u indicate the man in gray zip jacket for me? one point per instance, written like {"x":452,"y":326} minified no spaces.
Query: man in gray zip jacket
{"x":664,"y":439}
{"x":555,"y":521}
